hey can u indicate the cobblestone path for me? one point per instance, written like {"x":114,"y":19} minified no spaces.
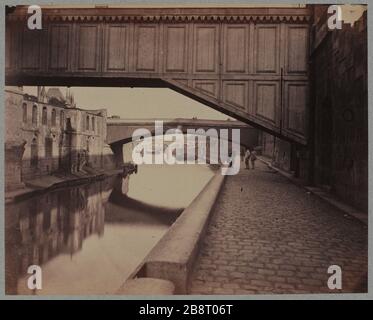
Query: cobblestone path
{"x":269,"y":236}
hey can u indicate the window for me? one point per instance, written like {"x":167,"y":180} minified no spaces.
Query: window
{"x":54,"y":116}
{"x":34,"y":153}
{"x":35,"y":114}
{"x":68,"y":124}
{"x":87,"y":123}
{"x":48,"y":148}
{"x":62,"y":119}
{"x":44,"y":116}
{"x":24,"y":113}
{"x":93,"y":124}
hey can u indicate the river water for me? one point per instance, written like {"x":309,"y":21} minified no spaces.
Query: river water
{"x":90,"y":238}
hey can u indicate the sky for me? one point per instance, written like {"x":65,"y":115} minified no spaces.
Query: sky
{"x":139,"y":103}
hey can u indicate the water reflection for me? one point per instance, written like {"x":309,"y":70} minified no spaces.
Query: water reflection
{"x":88,"y":239}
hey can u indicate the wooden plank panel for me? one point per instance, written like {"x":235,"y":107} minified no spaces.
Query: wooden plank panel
{"x":266,"y":100}
{"x":59,"y":39}
{"x":175,"y":49}
{"x":205,"y":49}
{"x":295,"y":107}
{"x":116,"y":48}
{"x":235,"y":93}
{"x":182,"y":81}
{"x":267,"y":49}
{"x":87,"y":49}
{"x":235,"y":48}
{"x":31,"y":40}
{"x":9,"y":43}
{"x":146,"y":48}
{"x":297,"y":49}
{"x":209,"y":87}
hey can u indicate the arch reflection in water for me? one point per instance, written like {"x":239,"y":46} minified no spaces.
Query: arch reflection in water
{"x":88,"y":239}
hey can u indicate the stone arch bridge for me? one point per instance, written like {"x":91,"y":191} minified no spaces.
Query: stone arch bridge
{"x":119,"y":131}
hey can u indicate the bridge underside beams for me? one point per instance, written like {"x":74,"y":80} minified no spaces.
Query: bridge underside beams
{"x":249,"y":63}
{"x":285,"y":133}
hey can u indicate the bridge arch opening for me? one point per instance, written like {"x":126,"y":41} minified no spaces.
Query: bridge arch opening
{"x":140,"y":107}
{"x":137,"y":102}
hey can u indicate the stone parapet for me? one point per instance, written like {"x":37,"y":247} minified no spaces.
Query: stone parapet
{"x":174,"y":255}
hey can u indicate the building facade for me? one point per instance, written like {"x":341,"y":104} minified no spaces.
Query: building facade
{"x":340,"y":107}
{"x":48,"y":135}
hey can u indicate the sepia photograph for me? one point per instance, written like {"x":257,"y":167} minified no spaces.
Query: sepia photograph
{"x":185,"y":149}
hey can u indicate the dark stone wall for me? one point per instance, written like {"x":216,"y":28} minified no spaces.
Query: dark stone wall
{"x":340,"y":107}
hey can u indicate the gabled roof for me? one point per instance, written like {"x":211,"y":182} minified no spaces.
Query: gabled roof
{"x":55,"y":93}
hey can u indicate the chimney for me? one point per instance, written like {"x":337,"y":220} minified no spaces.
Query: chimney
{"x":39,"y":94}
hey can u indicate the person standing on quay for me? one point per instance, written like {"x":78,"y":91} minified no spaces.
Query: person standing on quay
{"x":253,"y":159}
{"x":247,"y":158}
